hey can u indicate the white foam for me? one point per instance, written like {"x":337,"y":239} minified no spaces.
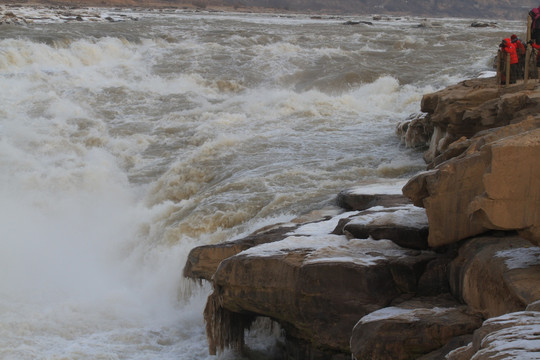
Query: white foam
{"x":93,"y":123}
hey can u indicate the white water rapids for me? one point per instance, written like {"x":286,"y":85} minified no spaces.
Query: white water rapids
{"x":125,"y":144}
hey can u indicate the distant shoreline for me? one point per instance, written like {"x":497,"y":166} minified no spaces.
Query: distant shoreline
{"x":157,"y":5}
{"x":217,"y":6}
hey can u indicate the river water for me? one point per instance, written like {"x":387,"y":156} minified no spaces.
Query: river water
{"x":125,"y":144}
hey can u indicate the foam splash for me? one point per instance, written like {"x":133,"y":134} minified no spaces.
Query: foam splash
{"x":123,"y":145}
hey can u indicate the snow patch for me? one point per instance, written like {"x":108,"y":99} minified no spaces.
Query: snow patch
{"x":331,"y":249}
{"x":386,"y":188}
{"x":397,"y":313}
{"x":519,"y":339}
{"x":407,"y":215}
{"x":322,"y":227}
{"x":520,"y":258}
{"x":293,"y":243}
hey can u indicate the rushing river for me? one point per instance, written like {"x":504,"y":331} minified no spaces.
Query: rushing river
{"x":125,"y":144}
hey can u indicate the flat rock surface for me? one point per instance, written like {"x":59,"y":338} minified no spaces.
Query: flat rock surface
{"x":411,"y":329}
{"x":317,"y":287}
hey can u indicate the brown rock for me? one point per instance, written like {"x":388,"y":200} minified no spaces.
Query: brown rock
{"x":315,"y":287}
{"x":354,"y":200}
{"x":411,"y":329}
{"x":203,"y":261}
{"x":416,"y":131}
{"x":468,"y":146}
{"x":496,"y":187}
{"x":453,"y":344}
{"x":511,"y":336}
{"x":406,"y":226}
{"x":512,"y":187}
{"x":495,"y":275}
{"x":445,"y":193}
{"x":472,"y":106}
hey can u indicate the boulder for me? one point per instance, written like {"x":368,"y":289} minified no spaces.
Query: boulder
{"x":472,"y":106}
{"x":416,"y":131}
{"x":464,"y":146}
{"x":316,"y":287}
{"x":407,"y":226}
{"x":510,"y":336}
{"x":368,"y":196}
{"x":453,"y":344}
{"x":411,"y":329}
{"x":203,"y":261}
{"x":480,"y":24}
{"x":511,"y":198}
{"x":496,"y":275}
{"x":495,"y":187}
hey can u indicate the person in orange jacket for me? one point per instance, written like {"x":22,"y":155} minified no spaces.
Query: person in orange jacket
{"x":520,"y":49}
{"x":507,"y":48}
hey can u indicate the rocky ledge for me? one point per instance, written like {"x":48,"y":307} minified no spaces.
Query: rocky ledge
{"x":446,"y":265}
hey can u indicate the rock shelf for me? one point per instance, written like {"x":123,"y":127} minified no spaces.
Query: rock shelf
{"x":444,"y":265}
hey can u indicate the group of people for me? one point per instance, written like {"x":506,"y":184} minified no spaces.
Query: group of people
{"x":517,"y":50}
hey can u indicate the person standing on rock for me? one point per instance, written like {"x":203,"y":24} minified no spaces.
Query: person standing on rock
{"x":537,"y":47}
{"x":507,"y":48}
{"x":520,"y":49}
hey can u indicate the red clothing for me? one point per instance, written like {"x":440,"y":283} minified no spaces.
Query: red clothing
{"x":510,"y":49}
{"x":520,"y":48}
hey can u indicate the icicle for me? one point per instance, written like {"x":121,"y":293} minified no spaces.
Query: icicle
{"x":224,"y":328}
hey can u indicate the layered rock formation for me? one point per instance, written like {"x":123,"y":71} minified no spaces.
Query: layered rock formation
{"x":448,"y":272}
{"x":489,"y":181}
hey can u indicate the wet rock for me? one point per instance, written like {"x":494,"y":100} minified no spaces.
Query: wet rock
{"x":357,"y":22}
{"x":416,"y":131}
{"x":316,"y":287}
{"x":411,"y":329}
{"x":365,"y":197}
{"x":495,"y":275}
{"x":203,"y":261}
{"x":480,"y":24}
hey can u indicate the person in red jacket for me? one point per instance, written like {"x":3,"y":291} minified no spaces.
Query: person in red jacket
{"x":507,"y":48}
{"x":537,"y":47}
{"x":520,"y":49}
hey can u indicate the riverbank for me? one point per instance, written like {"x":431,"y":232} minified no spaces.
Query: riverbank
{"x":451,"y":268}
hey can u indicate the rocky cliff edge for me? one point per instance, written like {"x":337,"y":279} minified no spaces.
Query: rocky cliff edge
{"x":445,"y":265}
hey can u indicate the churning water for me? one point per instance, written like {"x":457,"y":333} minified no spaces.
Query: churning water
{"x":125,"y":144}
